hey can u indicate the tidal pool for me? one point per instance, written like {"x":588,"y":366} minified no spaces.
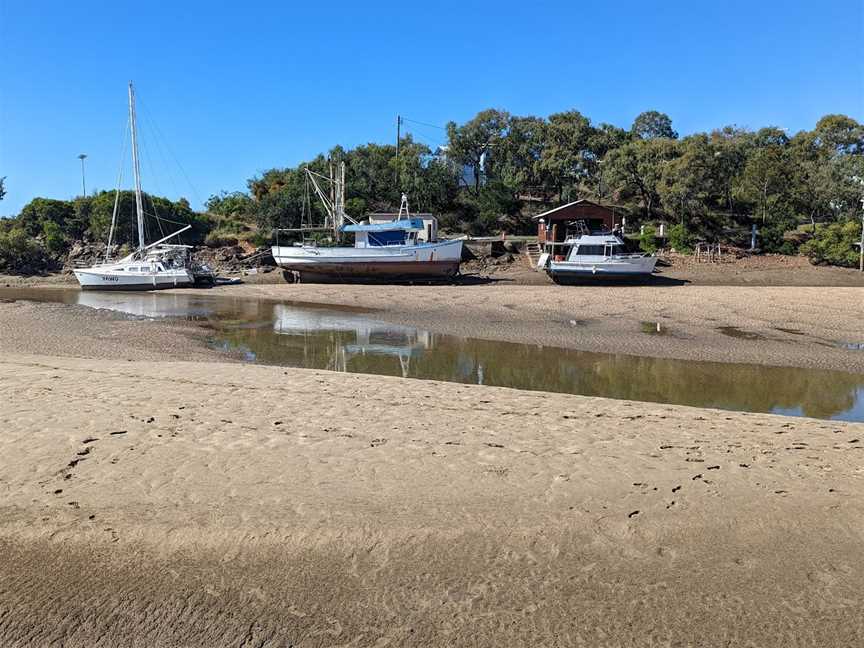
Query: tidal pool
{"x":337,"y":339}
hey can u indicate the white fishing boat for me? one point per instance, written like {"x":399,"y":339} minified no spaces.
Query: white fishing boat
{"x":402,"y":248}
{"x":594,"y":256}
{"x":150,"y":267}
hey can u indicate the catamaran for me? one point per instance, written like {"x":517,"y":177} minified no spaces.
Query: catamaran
{"x":150,"y":267}
{"x":402,"y":248}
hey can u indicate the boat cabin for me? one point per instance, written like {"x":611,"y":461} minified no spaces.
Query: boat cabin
{"x":603,"y":246}
{"x":430,"y":224}
{"x":401,"y":232}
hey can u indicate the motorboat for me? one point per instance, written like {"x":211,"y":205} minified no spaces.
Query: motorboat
{"x":594,"y":256}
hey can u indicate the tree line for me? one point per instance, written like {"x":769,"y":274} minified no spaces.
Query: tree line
{"x":802,"y":190}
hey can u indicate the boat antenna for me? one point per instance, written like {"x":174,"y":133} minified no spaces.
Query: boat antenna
{"x":136,"y":169}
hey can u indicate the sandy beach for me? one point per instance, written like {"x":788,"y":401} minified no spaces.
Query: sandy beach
{"x":157,"y":493}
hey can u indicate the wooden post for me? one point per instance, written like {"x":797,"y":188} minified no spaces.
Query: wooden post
{"x":861,"y":244}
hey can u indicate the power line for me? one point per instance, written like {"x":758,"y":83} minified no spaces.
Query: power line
{"x":414,"y":121}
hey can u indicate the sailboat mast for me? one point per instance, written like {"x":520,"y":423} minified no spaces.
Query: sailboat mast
{"x":136,"y":169}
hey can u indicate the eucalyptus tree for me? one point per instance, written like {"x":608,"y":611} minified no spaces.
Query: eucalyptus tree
{"x":636,"y":170}
{"x":653,"y":124}
{"x":568,"y":160}
{"x":477,"y":139}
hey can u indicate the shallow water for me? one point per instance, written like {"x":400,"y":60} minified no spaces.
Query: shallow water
{"x":308,"y":336}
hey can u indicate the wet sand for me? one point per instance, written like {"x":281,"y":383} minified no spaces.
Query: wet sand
{"x":798,"y":327}
{"x":189,"y":504}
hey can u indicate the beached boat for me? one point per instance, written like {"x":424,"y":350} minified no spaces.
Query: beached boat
{"x":595,"y":256}
{"x":150,"y":267}
{"x":402,"y":248}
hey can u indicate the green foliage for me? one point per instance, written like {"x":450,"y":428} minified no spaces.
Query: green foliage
{"x":53,"y":236}
{"x":653,"y":124}
{"x":774,"y":239}
{"x":2,"y":187}
{"x":637,"y":168}
{"x":40,"y":210}
{"x":219,"y":237}
{"x":234,"y":205}
{"x":648,"y":239}
{"x":470,"y":143}
{"x":680,"y":239}
{"x":835,"y":244}
{"x":20,"y":253}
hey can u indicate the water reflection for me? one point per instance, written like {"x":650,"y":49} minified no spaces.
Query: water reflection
{"x":303,"y":336}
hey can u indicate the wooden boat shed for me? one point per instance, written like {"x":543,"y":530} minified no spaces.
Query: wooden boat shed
{"x":552,"y":225}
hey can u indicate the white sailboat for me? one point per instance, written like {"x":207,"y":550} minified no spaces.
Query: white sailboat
{"x":150,"y":267}
{"x":401,"y":248}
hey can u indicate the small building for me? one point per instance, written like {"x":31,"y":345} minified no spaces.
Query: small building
{"x":429,"y":234}
{"x":553,"y":225}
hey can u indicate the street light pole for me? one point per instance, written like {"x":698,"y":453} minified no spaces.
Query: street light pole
{"x":83,"y":186}
{"x":861,"y":243}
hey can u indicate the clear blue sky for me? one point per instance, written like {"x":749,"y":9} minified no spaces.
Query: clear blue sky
{"x":239,"y":87}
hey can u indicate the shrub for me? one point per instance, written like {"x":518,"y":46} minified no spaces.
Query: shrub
{"x":21,"y":254}
{"x":648,"y":239}
{"x":774,"y":239}
{"x":220,"y":237}
{"x":834,"y":244}
{"x":680,"y":239}
{"x":53,"y":236}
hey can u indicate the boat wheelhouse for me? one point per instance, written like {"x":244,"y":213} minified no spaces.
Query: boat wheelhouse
{"x":396,"y":249}
{"x":598,"y":255}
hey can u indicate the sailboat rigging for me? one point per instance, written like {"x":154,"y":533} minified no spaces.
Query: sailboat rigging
{"x":386,"y":246}
{"x":152,"y":266}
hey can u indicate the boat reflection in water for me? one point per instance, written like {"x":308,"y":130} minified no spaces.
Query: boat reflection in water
{"x":346,"y":337}
{"x":312,"y":337}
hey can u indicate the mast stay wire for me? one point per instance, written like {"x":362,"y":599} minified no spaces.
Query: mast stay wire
{"x":156,"y":186}
{"x":171,"y":152}
{"x":117,"y":190}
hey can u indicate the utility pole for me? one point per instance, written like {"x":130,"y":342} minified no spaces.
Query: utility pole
{"x":82,"y":157}
{"x":398,"y":137}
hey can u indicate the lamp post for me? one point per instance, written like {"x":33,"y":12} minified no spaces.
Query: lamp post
{"x":860,"y":181}
{"x":82,"y":157}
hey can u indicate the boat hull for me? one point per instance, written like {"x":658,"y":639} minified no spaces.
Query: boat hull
{"x":425,"y":261}
{"x":631,"y":268}
{"x":95,"y":280}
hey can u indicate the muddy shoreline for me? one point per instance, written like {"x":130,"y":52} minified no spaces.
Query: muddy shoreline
{"x":794,"y":327}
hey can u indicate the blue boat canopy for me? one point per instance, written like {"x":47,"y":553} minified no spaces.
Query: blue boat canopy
{"x":405,"y":225}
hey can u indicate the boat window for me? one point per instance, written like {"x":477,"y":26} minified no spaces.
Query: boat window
{"x":393,"y":237}
{"x":592,"y":250}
